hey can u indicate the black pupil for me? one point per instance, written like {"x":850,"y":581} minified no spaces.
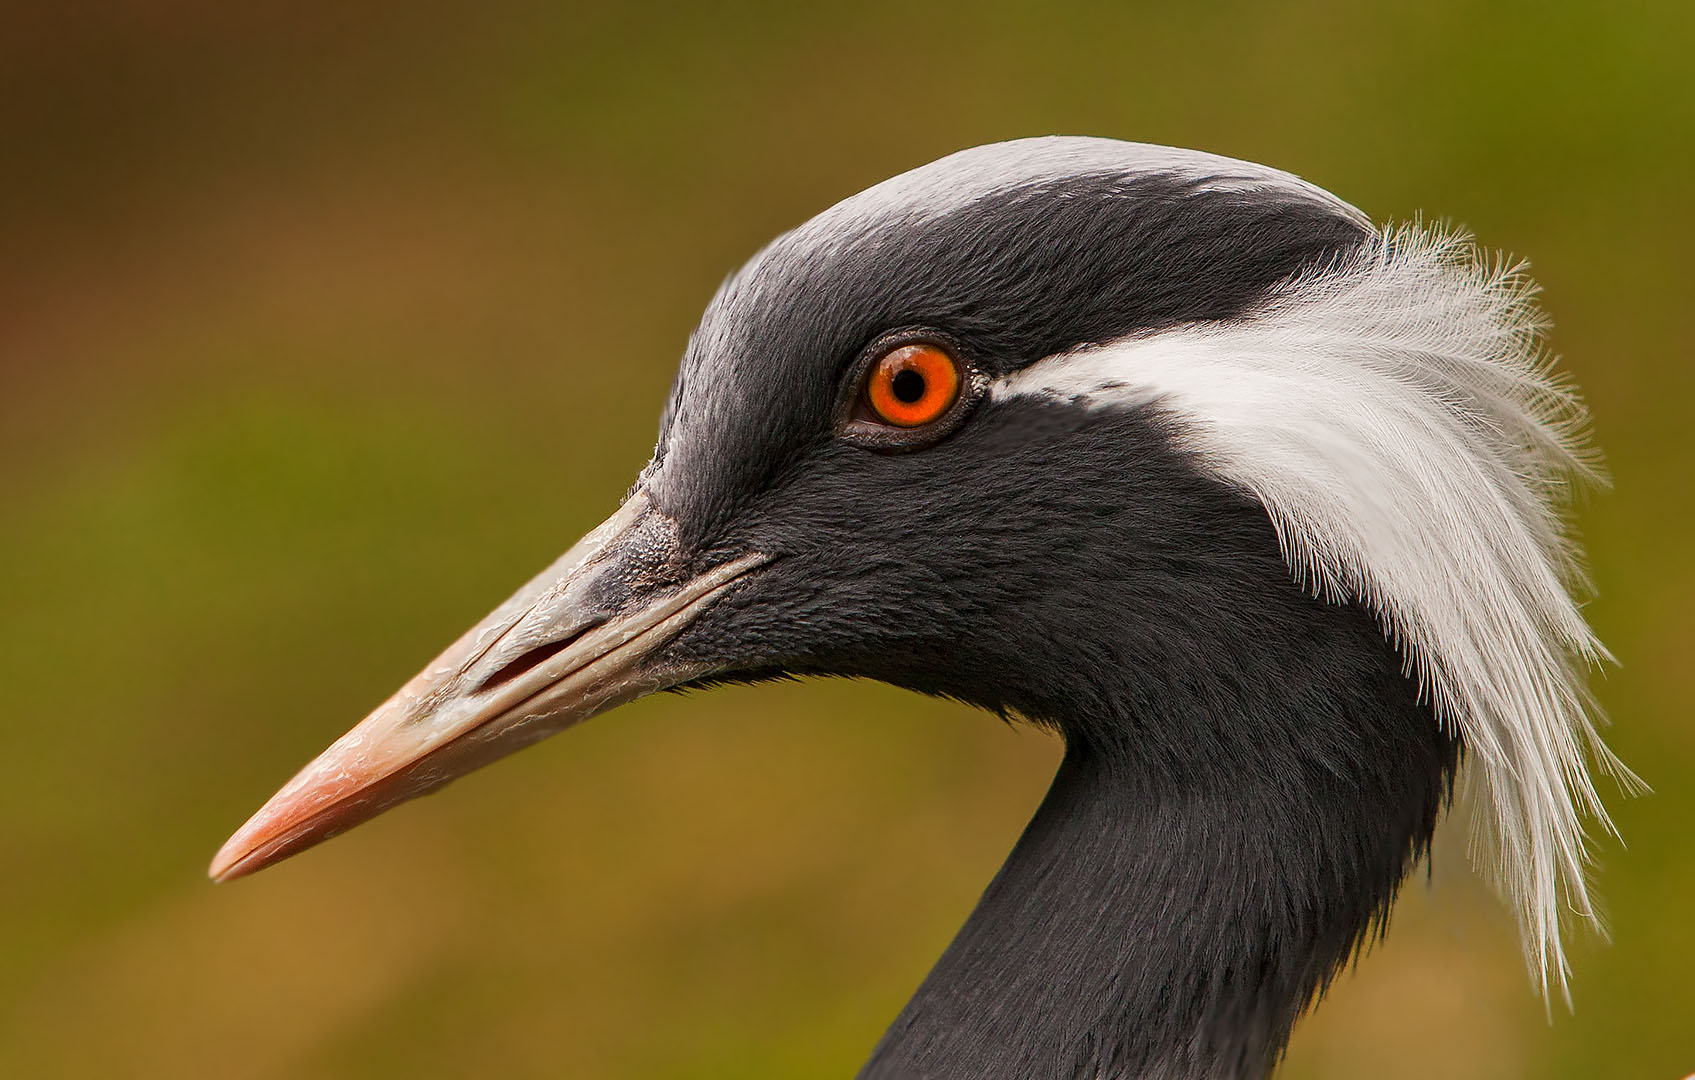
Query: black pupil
{"x":908,"y":386}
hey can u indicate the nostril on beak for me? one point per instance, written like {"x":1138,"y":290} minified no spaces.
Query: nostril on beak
{"x":533,"y":657}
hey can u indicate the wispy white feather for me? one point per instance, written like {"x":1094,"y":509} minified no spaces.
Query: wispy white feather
{"x":1397,"y":417}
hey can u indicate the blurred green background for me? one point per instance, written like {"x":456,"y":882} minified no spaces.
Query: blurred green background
{"x":322,"y":326}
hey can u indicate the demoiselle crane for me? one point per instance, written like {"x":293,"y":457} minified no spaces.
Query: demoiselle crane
{"x":1254,"y":504}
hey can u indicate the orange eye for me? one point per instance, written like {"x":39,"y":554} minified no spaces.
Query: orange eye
{"x":913,"y":385}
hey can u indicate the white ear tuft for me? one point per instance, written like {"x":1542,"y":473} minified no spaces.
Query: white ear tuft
{"x":1397,"y":417}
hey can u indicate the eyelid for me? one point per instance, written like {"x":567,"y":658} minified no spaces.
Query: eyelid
{"x":858,"y":423}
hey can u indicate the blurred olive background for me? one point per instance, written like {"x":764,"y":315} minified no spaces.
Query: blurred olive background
{"x":323,"y":325}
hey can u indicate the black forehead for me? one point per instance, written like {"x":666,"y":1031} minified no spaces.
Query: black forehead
{"x":1013,"y":276}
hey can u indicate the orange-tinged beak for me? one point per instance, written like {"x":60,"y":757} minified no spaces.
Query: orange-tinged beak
{"x":577,"y":640}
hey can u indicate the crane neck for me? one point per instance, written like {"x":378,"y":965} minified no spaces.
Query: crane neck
{"x":1169,"y":918}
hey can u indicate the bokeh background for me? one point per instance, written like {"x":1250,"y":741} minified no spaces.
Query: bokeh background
{"x":323,"y":325}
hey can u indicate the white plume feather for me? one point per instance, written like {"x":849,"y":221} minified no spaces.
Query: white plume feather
{"x":1397,"y":417}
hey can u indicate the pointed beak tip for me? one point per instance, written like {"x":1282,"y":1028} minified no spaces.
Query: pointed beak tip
{"x":226,"y":865}
{"x":278,"y":829}
{"x":223,"y":868}
{"x":237,"y":857}
{"x":437,"y":726}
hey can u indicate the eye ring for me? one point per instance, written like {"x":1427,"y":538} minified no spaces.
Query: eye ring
{"x":908,"y":389}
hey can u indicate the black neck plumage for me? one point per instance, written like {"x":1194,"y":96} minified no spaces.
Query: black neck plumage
{"x":1159,"y":922}
{"x":1249,"y":773}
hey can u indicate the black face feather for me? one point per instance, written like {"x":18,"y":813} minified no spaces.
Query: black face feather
{"x":960,"y":569}
{"x":1012,"y":277}
{"x":1248,"y":775}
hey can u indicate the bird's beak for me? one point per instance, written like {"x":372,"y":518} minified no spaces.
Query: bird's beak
{"x":586,"y":635}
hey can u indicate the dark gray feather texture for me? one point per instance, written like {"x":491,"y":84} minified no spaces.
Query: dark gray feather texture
{"x":1249,"y":484}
